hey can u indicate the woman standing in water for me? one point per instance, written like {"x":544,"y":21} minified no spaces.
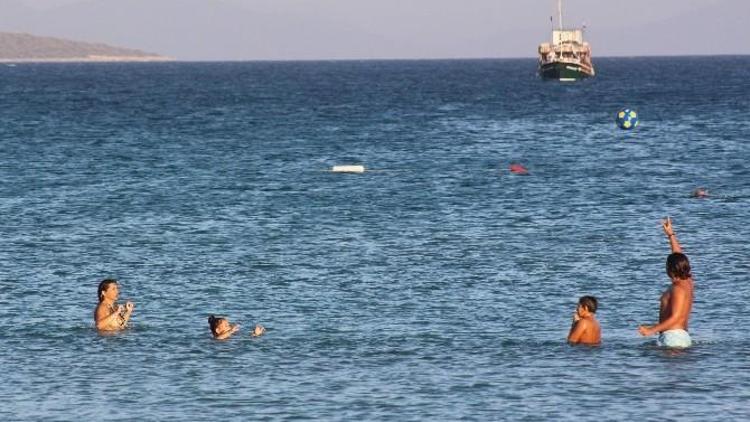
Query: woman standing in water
{"x":109,"y":315}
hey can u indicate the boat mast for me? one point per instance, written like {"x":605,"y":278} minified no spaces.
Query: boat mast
{"x":559,"y":21}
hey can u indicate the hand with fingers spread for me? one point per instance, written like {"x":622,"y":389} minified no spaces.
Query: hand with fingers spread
{"x":258,"y":331}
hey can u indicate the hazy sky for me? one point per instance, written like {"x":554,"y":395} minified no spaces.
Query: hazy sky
{"x":359,"y":29}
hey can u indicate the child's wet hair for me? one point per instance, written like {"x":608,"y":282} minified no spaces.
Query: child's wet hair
{"x":213,"y":322}
{"x":589,"y":302}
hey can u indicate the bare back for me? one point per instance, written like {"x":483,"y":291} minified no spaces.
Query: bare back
{"x":676,"y":303}
{"x":586,"y":331}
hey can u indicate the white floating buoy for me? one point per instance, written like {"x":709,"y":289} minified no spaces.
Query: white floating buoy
{"x":348,"y":169}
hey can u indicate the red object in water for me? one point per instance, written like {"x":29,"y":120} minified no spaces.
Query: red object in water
{"x":518,"y":169}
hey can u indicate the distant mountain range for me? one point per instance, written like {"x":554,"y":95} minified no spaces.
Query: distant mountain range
{"x":15,"y":47}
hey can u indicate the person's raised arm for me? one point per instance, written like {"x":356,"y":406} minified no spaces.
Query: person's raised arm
{"x":669,"y":231}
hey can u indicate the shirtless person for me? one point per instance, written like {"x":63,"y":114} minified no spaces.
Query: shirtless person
{"x":110,"y":316}
{"x":677,"y":301}
{"x":222,"y":329}
{"x":585,"y":328}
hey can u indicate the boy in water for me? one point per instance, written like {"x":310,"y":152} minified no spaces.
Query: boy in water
{"x":222,"y":329}
{"x":676,"y":302}
{"x":585,"y":328}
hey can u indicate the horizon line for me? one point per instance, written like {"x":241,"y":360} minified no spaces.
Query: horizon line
{"x":165,"y":59}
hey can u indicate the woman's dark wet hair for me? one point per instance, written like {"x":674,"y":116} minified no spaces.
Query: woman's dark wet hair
{"x":589,"y":302}
{"x":213,"y":322}
{"x":678,"y":266}
{"x":104,"y":286}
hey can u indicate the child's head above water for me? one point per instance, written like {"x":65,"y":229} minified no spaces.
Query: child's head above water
{"x":589,"y":303}
{"x":218,"y":325}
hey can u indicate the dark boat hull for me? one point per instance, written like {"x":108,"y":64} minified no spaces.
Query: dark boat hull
{"x":562,"y":71}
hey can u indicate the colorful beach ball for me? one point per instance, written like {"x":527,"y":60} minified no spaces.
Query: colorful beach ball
{"x":627,"y":119}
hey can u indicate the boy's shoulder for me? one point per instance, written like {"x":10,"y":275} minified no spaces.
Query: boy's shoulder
{"x":590,"y":321}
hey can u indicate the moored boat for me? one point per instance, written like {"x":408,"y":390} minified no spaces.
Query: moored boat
{"x":568,"y":56}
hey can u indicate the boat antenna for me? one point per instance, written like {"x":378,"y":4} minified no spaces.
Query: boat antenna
{"x":559,"y":13}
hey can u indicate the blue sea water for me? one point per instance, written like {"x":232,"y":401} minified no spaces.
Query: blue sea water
{"x":438,"y":286}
